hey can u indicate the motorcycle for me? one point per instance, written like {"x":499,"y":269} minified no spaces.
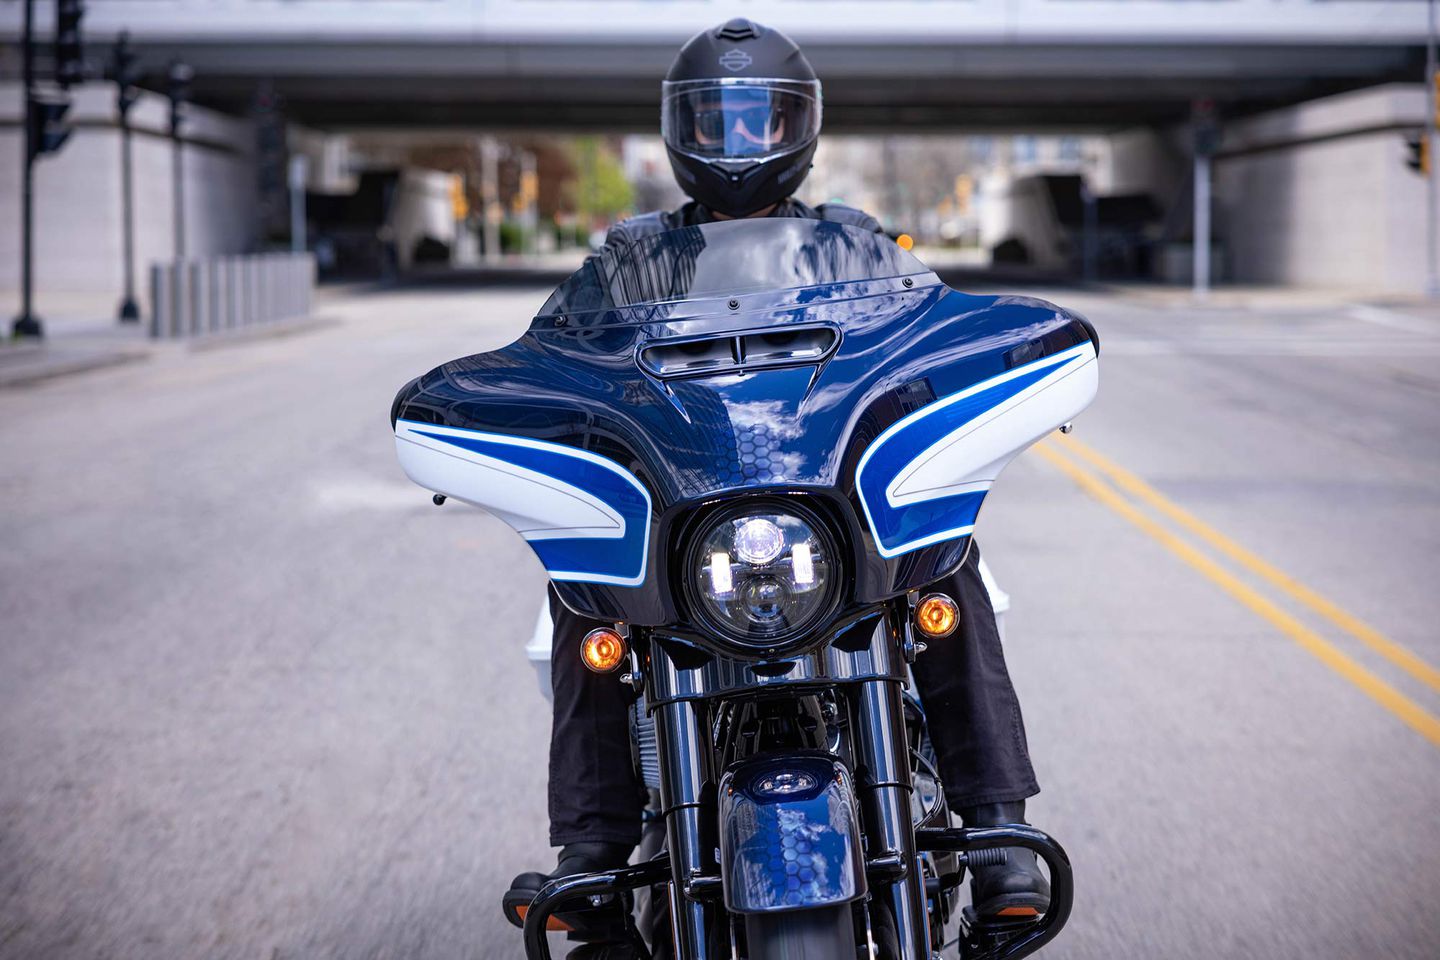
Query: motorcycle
{"x":749,"y":446}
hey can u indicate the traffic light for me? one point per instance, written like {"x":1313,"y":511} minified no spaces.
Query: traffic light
{"x":459,"y":202}
{"x":1205,"y":127}
{"x":125,"y":72}
{"x":69,"y":52}
{"x":48,"y":131}
{"x":1418,"y":150}
{"x":177,"y":88}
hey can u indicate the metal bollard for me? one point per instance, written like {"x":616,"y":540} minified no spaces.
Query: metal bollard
{"x":216,"y":283}
{"x":262,"y":289}
{"x":257,"y":290}
{"x":297,"y":285}
{"x":193,"y":297}
{"x":232,"y":291}
{"x":199,"y":296}
{"x":287,"y":286}
{"x":179,"y":300}
{"x":159,"y":300}
{"x":242,"y":292}
{"x":237,"y":292}
{"x":306,"y":281}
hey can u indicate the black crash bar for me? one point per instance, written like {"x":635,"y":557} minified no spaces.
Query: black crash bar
{"x":1062,"y":883}
{"x":556,"y":894}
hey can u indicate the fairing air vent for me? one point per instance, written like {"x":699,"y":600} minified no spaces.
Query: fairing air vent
{"x":737,"y":352}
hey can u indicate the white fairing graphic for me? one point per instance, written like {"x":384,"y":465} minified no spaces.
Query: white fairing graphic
{"x":923,"y":480}
{"x":972,"y":457}
{"x":537,"y":505}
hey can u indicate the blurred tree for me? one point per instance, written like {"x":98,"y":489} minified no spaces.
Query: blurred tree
{"x":601,"y":190}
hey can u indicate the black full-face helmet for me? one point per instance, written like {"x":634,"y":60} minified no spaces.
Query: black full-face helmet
{"x":740,"y":114}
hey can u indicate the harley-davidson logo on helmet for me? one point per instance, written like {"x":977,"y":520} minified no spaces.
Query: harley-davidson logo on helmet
{"x":735,"y":60}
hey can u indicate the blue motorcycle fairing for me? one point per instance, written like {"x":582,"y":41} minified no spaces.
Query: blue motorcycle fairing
{"x":896,"y":433}
{"x":789,"y":835}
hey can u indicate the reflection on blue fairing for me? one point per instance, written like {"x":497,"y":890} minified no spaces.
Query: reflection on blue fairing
{"x":980,"y":366}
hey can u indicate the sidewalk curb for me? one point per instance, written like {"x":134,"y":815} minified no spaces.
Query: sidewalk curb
{"x":43,"y":370}
{"x":26,"y":364}
{"x":263,"y":331}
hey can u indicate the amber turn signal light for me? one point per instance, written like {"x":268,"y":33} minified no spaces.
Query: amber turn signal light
{"x":603,"y":650}
{"x":937,"y":616}
{"x":905,"y":241}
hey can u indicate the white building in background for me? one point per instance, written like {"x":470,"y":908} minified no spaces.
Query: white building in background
{"x":1321,"y":194}
{"x":78,"y":212}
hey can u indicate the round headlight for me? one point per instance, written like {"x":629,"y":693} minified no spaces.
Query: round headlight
{"x":762,"y":576}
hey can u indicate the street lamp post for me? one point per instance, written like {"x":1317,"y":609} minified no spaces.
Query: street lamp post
{"x":27,"y":324}
{"x":178,"y":90}
{"x":44,"y":133}
{"x":490,"y":196}
{"x":1206,"y":138}
{"x":1432,"y":143}
{"x":124,"y":72}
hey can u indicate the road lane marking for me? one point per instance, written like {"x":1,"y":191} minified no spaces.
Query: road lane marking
{"x":1421,"y":720}
{"x":1397,"y":654}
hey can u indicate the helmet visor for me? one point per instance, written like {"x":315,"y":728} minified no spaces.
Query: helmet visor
{"x":740,"y":119}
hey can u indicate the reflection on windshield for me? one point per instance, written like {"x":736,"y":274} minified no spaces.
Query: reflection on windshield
{"x":724,"y":259}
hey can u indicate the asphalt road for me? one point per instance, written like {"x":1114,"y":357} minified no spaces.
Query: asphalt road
{"x":260,"y":699}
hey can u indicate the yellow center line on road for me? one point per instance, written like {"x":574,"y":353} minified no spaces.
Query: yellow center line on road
{"x":1357,"y":628}
{"x":1421,"y":720}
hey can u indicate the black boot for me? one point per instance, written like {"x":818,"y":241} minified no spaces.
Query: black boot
{"x":1014,"y":889}
{"x":601,"y":926}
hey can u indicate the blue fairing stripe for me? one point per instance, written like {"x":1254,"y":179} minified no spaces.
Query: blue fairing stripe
{"x":582,"y":559}
{"x":900,"y":529}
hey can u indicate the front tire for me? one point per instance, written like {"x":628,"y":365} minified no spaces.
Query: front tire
{"x":825,"y":933}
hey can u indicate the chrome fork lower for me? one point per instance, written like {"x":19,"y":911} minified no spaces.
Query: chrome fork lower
{"x":685,"y":770}
{"x":882,"y":756}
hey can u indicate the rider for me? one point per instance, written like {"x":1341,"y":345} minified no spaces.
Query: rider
{"x":741,"y":117}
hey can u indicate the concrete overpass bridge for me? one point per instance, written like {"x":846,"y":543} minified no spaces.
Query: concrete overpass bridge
{"x":1311,"y":184}
{"x":936,"y":64}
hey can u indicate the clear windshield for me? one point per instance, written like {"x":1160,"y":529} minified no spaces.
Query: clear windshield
{"x":728,"y":259}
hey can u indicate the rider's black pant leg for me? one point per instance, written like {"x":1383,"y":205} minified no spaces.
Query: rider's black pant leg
{"x":595,"y":794}
{"x":970,"y":704}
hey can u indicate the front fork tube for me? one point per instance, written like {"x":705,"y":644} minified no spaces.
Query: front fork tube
{"x":883,"y":755}
{"x":686,"y":782}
